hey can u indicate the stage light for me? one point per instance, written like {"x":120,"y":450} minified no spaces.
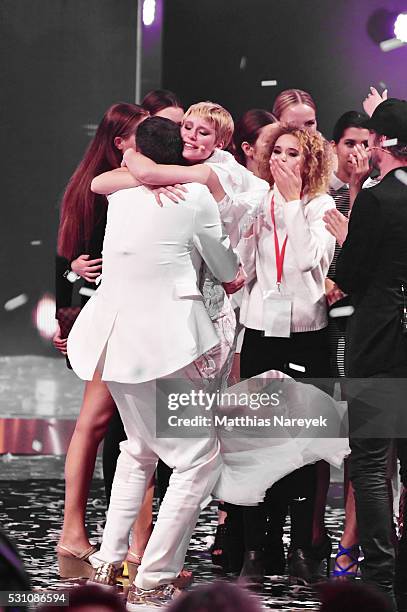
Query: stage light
{"x":388,"y":29}
{"x":400,"y":27}
{"x":44,"y":317}
{"x":148,"y":12}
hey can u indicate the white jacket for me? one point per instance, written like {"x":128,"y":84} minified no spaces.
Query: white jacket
{"x":309,"y":252}
{"x":148,"y":312}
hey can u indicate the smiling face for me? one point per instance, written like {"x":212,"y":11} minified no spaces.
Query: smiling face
{"x":287,"y":149}
{"x":351,"y":137}
{"x":199,"y":138}
{"x":301,"y":116}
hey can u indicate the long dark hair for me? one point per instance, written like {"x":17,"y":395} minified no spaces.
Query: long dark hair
{"x":247,"y":130}
{"x":81,"y":209}
{"x":158,"y":99}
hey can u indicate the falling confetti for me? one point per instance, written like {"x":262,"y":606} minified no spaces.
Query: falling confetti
{"x":37,"y":446}
{"x":36,"y":242}
{"x":16,"y":302}
{"x":86,"y":291}
{"x":296,"y":367}
{"x":391,"y":142}
{"x":268,"y":83}
{"x":401,"y":175}
{"x":343,"y":311}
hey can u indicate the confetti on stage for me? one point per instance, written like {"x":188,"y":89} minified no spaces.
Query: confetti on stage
{"x":16,"y":302}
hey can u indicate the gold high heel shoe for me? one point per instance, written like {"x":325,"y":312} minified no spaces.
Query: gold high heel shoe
{"x":105,"y":574}
{"x":74,"y":565}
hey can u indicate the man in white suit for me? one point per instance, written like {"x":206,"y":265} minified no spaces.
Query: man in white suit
{"x":147,"y":321}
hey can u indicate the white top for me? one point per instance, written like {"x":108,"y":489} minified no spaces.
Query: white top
{"x":148,"y":312}
{"x":244,"y":192}
{"x":309,"y":252}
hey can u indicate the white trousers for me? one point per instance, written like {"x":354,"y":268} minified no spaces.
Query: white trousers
{"x":197,"y":465}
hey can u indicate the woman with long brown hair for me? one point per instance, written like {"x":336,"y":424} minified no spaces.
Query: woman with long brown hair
{"x":80,"y":239}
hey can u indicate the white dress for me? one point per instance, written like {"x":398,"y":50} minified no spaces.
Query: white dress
{"x":257,"y":455}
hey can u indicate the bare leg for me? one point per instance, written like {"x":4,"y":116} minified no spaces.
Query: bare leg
{"x":96,"y":411}
{"x":97,"y":408}
{"x":350,"y":536}
{"x":143,"y":526}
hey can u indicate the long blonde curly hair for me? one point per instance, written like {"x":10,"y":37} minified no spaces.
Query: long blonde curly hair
{"x":317,"y":158}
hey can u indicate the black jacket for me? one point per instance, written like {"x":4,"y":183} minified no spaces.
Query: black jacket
{"x":371,"y":267}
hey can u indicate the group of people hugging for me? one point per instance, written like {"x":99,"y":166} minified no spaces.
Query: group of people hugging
{"x":268,"y":275}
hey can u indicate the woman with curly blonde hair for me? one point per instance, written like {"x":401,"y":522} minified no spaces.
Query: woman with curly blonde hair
{"x":316,"y":166}
{"x":286,"y":254}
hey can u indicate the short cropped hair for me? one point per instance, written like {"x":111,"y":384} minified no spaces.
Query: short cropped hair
{"x":218,"y":117}
{"x":349,"y":119}
{"x":160,"y":140}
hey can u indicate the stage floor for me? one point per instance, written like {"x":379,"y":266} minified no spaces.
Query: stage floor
{"x":31,"y":514}
{"x":39,"y":402}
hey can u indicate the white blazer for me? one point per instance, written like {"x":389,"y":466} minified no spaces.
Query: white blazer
{"x":148,"y":312}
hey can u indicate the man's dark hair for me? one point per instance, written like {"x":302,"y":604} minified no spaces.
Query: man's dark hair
{"x":160,"y":140}
{"x":347,"y":120}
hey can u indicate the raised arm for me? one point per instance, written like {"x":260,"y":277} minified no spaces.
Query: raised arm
{"x":212,"y":243}
{"x":114,"y":180}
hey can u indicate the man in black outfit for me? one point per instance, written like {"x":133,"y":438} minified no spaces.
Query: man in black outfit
{"x":372,"y":268}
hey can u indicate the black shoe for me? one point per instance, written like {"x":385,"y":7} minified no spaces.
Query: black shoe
{"x":274,"y":558}
{"x":228,"y":539}
{"x":253,"y":568}
{"x":219,"y":544}
{"x":306,"y":565}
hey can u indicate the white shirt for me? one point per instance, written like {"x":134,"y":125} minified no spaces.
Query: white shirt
{"x":309,"y":251}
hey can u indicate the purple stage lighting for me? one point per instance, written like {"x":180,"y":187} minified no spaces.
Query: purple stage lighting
{"x":400,"y":27}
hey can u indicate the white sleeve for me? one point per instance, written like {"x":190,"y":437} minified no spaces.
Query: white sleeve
{"x":211,"y":241}
{"x":238,"y":212}
{"x":311,"y":242}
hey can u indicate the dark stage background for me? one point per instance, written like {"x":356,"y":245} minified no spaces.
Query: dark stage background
{"x":63,"y":62}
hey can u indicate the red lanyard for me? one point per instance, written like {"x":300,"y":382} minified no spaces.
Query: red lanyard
{"x":279,"y":254}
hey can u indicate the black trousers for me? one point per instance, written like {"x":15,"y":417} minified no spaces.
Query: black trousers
{"x":111,"y":451}
{"x":298,"y":489}
{"x":376,"y":416}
